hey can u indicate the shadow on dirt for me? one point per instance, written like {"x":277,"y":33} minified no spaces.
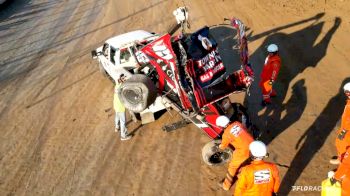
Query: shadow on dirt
{"x":15,"y":12}
{"x":55,"y":17}
{"x":5,"y":4}
{"x":157,"y":115}
{"x":16,"y":38}
{"x":314,"y":138}
{"x":299,"y":50}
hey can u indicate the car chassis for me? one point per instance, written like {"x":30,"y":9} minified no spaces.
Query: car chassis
{"x":185,"y":72}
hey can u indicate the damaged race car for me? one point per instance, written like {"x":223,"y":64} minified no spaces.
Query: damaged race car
{"x":183,"y":72}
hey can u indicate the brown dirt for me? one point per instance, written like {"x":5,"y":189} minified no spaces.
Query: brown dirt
{"x":56,"y":120}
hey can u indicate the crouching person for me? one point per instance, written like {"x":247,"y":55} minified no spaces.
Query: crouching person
{"x":235,"y":134}
{"x":259,"y":177}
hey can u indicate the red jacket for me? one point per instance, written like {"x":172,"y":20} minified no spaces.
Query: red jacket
{"x":271,"y":68}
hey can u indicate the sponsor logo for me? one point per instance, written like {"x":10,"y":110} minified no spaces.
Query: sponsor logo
{"x":210,"y":65}
{"x":162,"y":50}
{"x":235,"y":130}
{"x":262,"y":176}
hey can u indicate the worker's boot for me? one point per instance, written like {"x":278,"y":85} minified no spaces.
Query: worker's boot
{"x":127,"y":137}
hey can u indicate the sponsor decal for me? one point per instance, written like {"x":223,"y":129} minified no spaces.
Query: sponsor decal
{"x":235,"y":130}
{"x":262,"y":176}
{"x":210,"y":65}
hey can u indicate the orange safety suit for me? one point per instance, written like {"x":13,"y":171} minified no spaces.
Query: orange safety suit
{"x":258,"y":178}
{"x":342,"y":141}
{"x":269,"y":73}
{"x":343,"y":173}
{"x":237,"y":135}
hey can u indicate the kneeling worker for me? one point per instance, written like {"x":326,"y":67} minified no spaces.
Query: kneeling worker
{"x":259,"y":177}
{"x":236,"y":135}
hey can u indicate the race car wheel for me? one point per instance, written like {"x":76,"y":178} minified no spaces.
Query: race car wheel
{"x":137,"y":93}
{"x":213,"y":156}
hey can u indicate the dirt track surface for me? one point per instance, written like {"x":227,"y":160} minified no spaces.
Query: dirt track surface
{"x":56,"y":120}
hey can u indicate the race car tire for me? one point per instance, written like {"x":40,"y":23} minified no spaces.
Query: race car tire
{"x":137,"y":93}
{"x":213,"y":156}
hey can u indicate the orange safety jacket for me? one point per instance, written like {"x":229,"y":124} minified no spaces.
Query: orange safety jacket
{"x":343,"y":173}
{"x":271,"y":68}
{"x":237,"y":135}
{"x":258,"y":178}
{"x":345,"y":119}
{"x":342,"y":141}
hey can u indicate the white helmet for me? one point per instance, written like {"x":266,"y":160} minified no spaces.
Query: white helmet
{"x":272,"y":48}
{"x":258,"y":149}
{"x":222,"y":121}
{"x":347,"y":87}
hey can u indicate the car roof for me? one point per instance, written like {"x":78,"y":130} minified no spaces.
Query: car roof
{"x":120,"y":40}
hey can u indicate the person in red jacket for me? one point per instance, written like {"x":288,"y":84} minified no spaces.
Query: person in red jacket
{"x":235,"y":134}
{"x":342,"y":141}
{"x":269,"y":73}
{"x":259,"y":177}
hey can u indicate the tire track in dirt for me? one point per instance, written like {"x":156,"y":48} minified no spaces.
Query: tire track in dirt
{"x":33,"y":161}
{"x":44,"y":133}
{"x":32,"y":65}
{"x":25,"y":56}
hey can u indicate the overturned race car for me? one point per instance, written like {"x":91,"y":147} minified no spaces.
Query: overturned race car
{"x":183,"y":72}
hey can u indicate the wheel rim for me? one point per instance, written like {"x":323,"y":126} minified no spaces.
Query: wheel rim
{"x":219,"y":157}
{"x":134,"y":95}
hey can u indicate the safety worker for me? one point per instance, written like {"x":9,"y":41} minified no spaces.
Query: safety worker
{"x":235,"y":134}
{"x":269,"y":73}
{"x":120,"y":116}
{"x":342,"y":141}
{"x":343,"y":174}
{"x":259,"y":177}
